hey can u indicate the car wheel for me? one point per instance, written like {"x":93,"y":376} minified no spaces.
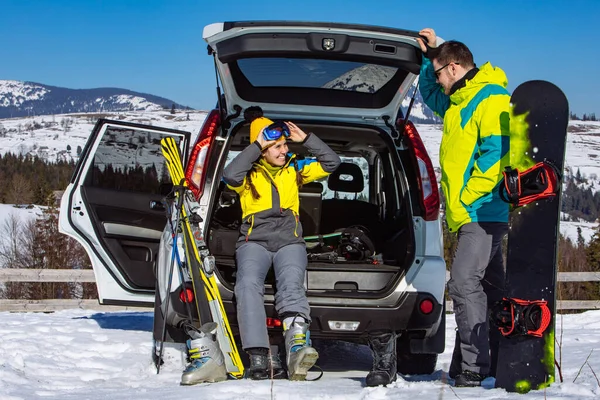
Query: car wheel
{"x":175,"y":334}
{"x":414,"y":364}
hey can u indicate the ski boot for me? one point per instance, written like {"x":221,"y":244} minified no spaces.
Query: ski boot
{"x":383,"y":347}
{"x":207,"y":361}
{"x":300,"y":355}
{"x":262,"y":366}
{"x":259,"y":364}
{"x":276,"y":366}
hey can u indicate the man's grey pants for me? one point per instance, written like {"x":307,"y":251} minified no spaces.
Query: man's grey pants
{"x":254,"y":262}
{"x":477,"y":279}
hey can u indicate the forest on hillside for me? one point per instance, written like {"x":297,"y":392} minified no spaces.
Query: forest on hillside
{"x":30,"y":180}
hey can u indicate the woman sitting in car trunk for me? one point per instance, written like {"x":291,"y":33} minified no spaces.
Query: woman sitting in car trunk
{"x":267,"y":178}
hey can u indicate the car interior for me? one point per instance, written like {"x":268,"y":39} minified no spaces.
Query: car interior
{"x":368,"y":191}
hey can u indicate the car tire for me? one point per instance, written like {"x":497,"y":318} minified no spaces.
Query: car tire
{"x":175,"y":334}
{"x":158,"y":319}
{"x":414,"y":364}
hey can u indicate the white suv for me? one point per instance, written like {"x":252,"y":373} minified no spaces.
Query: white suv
{"x":343,"y":82}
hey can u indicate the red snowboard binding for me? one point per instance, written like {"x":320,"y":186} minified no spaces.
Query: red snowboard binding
{"x":538,"y":182}
{"x":515,"y":317}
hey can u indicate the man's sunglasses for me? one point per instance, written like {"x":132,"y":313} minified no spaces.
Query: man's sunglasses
{"x":276,"y":130}
{"x":439,"y":70}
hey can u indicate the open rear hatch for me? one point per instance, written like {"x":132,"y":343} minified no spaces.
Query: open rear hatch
{"x":355,"y":75}
{"x":353,"y":72}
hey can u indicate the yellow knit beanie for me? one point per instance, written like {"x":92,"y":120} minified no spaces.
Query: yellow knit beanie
{"x":257,"y":126}
{"x":258,"y":122}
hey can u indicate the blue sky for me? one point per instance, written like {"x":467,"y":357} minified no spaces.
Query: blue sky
{"x":156,"y":47}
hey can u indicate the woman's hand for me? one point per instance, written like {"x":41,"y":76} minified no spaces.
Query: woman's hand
{"x":264,"y":143}
{"x":296,"y":134}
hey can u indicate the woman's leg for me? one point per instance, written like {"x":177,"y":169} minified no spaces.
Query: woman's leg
{"x":290,"y":264}
{"x":253,"y":261}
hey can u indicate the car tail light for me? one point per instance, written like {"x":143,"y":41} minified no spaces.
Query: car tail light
{"x":430,"y":197}
{"x":195,"y":173}
{"x":273,"y":322}
{"x":426,"y":306}
{"x":186,"y":295}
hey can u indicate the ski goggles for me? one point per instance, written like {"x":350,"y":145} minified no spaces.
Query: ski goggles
{"x":276,"y":130}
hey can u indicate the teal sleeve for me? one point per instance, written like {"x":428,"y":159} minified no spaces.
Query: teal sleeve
{"x":431,"y":91}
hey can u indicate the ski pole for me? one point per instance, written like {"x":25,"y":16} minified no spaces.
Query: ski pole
{"x":179,"y":191}
{"x":175,"y":252}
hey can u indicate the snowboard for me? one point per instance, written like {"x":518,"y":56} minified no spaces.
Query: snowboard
{"x":538,"y":123}
{"x":208,"y":303}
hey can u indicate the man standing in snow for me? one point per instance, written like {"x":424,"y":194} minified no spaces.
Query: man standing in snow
{"x":474,"y":150}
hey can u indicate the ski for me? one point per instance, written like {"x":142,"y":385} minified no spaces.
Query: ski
{"x":200,"y":263}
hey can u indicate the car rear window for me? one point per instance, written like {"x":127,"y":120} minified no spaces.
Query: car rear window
{"x":313,"y":73}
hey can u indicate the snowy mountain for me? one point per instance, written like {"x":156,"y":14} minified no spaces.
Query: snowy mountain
{"x":19,"y":99}
{"x":370,"y":78}
{"x":419,"y":113}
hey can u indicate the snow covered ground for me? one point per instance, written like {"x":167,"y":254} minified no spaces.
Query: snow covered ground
{"x":95,"y":355}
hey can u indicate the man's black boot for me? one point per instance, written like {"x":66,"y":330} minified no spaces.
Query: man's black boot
{"x":469,"y":379}
{"x":259,"y":363}
{"x":456,"y":363}
{"x":383,"y":347}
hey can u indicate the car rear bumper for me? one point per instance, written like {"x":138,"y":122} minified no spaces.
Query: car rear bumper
{"x":406,"y":315}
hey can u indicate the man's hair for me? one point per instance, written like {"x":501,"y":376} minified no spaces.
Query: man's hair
{"x":453,"y":51}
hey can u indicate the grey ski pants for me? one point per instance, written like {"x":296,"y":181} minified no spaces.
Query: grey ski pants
{"x":476,"y":282}
{"x":254,"y":261}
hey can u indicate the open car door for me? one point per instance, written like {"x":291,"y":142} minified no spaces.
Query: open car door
{"x":114,"y":207}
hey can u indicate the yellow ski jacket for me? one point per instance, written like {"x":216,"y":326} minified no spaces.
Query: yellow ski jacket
{"x":475,"y":142}
{"x":272,"y":220}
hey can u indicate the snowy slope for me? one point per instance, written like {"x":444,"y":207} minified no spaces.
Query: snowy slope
{"x":54,"y":137}
{"x":91,"y":355}
{"x":46,"y":137}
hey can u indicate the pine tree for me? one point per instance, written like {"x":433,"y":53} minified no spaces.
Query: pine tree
{"x":19,"y":190}
{"x":580,"y":239}
{"x":47,"y":248}
{"x":593,"y":251}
